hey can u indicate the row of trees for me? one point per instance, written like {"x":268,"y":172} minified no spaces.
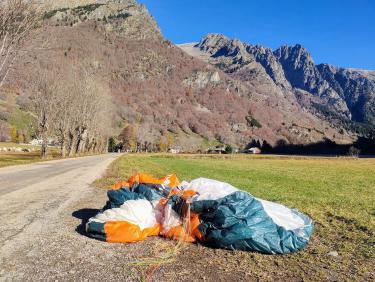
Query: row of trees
{"x":70,"y":106}
{"x":18,"y":136}
{"x":133,"y":139}
{"x":73,"y":108}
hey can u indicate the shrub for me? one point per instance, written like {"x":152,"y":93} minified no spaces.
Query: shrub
{"x":229,"y":149}
{"x":354,"y":152}
{"x":50,"y":14}
{"x":23,"y":101}
{"x":252,"y":122}
{"x":14,"y":135}
{"x":4,"y":116}
{"x":112,"y":146}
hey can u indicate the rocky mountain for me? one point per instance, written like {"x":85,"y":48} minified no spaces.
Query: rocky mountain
{"x":345,"y":94}
{"x":224,"y":92}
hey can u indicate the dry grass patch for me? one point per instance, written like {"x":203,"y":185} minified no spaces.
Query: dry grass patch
{"x":338,"y":193}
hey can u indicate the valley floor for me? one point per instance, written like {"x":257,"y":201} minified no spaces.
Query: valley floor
{"x":337,"y":193}
{"x":23,"y":158}
{"x":42,"y":237}
{"x":17,"y":158}
{"x":9,"y":159}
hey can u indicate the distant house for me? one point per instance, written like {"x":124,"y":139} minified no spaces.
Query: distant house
{"x":216,"y":150}
{"x":175,"y":150}
{"x":254,"y":150}
{"x":39,"y":142}
{"x":36,"y":142}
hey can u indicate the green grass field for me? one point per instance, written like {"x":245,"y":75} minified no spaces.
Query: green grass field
{"x":337,"y":193}
{"x":17,"y":158}
{"x":9,"y":159}
{"x":23,"y":146}
{"x":20,"y":158}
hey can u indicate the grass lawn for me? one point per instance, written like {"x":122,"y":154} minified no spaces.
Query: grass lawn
{"x":337,"y":193}
{"x":9,"y":159}
{"x":15,"y":145}
{"x":16,"y":158}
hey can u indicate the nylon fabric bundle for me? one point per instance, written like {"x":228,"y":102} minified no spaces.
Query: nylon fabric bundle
{"x":214,"y":213}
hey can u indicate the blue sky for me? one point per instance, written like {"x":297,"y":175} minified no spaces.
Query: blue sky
{"x":339,"y":32}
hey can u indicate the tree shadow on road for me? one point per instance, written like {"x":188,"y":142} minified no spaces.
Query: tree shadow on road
{"x":84,"y":215}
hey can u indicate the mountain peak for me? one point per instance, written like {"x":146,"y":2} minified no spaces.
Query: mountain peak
{"x":214,"y":35}
{"x":212,"y":42}
{"x":296,"y":53}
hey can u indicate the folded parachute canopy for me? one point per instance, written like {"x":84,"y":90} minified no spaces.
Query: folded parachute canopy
{"x":213,"y":213}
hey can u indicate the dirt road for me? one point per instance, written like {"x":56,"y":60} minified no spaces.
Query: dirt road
{"x":39,"y":216}
{"x":42,"y":208}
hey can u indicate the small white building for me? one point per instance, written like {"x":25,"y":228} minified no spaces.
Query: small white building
{"x":36,"y":142}
{"x":216,"y":150}
{"x":254,"y":150}
{"x":174,"y":150}
{"x":39,"y":142}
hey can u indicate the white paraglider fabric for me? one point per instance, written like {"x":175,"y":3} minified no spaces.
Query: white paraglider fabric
{"x":282,"y":216}
{"x":209,"y":189}
{"x":138,"y":212}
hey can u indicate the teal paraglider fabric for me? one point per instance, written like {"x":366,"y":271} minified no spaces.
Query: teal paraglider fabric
{"x":240,"y":222}
{"x":224,"y":217}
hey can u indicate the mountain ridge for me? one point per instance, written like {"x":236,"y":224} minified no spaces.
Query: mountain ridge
{"x":348,"y":93}
{"x":163,"y":93}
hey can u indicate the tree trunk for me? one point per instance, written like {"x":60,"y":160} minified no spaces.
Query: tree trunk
{"x":73,"y":144}
{"x":94,"y":145}
{"x":83,"y":142}
{"x":63,"y":148}
{"x":78,"y":144}
{"x":107,"y":146}
{"x":43,"y":150}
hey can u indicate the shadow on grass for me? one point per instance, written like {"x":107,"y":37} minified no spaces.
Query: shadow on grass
{"x":84,"y":215}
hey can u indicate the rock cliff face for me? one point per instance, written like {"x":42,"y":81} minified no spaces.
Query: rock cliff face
{"x":302,"y":73}
{"x":355,"y":88}
{"x":58,"y":4}
{"x":270,"y":63}
{"x":243,"y":93}
{"x":347,"y":94}
{"x":125,"y":17}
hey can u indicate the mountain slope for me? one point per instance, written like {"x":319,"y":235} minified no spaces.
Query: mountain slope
{"x":167,"y":95}
{"x":324,"y":90}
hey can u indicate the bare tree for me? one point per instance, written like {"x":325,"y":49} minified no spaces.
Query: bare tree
{"x":73,"y":108}
{"x":90,"y":112}
{"x":63,"y":119}
{"x":45,"y":103}
{"x":17,"y":19}
{"x":128,"y":137}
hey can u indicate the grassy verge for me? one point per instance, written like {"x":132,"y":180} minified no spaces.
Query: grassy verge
{"x":15,"y":145}
{"x":338,"y":193}
{"x":10,"y":159}
{"x":18,"y":158}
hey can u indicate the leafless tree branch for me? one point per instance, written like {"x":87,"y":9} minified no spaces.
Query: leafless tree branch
{"x":17,"y":19}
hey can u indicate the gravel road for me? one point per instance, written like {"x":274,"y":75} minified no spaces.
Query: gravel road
{"x":42,"y":208}
{"x":39,"y":211}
